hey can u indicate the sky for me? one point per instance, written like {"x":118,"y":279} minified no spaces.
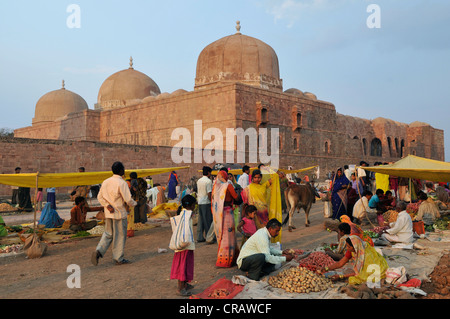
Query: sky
{"x":377,"y":58}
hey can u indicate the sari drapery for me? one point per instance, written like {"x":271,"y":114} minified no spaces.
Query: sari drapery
{"x":382,"y":181}
{"x":172,"y":185}
{"x":266,"y":197}
{"x":369,"y":264}
{"x":339,"y":196}
{"x":224,"y":227}
{"x":356,"y":230}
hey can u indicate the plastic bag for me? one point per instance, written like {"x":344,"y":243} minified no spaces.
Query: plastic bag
{"x":396,"y":275}
{"x":182,"y":234}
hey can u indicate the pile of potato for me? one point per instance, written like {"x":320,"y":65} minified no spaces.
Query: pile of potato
{"x":300,"y":280}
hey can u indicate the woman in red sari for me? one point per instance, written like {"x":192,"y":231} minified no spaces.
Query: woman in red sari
{"x":223,"y":194}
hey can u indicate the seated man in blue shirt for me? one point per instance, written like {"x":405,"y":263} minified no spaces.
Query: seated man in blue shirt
{"x":375,"y":200}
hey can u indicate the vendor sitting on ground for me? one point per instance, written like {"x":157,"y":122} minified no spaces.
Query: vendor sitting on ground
{"x":343,"y":231}
{"x":400,"y":231}
{"x":3,"y":230}
{"x":374,"y":201}
{"x":361,"y":208}
{"x":366,"y":260}
{"x":387,"y":202}
{"x":78,"y":215}
{"x":257,"y":257}
{"x":428,"y":211}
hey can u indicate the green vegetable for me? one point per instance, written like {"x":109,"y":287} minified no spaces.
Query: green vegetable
{"x":82,"y":233}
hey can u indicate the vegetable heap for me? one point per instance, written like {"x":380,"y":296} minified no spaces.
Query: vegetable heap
{"x":300,"y":280}
{"x":316,"y":260}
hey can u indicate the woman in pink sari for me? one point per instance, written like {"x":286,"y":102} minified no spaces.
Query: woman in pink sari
{"x":221,"y":205}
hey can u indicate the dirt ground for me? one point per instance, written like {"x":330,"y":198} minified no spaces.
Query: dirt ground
{"x":147,"y":277}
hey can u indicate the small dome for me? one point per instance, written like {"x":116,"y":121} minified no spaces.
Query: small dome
{"x":238,"y":58}
{"x":124,"y":88}
{"x":56,"y":104}
{"x":294,"y":92}
{"x":310,"y":95}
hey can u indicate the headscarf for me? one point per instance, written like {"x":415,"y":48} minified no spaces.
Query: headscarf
{"x":356,"y":230}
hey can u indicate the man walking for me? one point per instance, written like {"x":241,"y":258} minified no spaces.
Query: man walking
{"x":114,"y":195}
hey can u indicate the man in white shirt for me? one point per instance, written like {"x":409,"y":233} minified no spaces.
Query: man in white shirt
{"x":244,"y":179}
{"x":204,"y":189}
{"x":257,"y":257}
{"x":361,"y":207}
{"x":114,"y":194}
{"x":401,"y":230}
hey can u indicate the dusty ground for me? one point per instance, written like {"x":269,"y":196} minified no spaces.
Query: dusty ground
{"x":147,"y":277}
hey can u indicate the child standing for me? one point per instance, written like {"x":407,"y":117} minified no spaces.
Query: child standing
{"x":183,"y":260}
{"x":247,"y":226}
{"x":39,"y":198}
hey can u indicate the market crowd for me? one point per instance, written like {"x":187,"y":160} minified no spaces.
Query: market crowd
{"x":227,"y":203}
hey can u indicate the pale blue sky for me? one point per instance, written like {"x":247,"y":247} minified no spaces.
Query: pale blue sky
{"x":400,"y":71}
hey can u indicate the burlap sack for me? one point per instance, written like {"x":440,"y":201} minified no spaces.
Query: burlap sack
{"x":33,"y":247}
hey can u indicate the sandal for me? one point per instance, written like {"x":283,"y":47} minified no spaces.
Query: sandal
{"x":189,"y":286}
{"x":184,"y":293}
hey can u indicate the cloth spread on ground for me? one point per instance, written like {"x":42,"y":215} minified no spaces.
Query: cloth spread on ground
{"x":221,"y":289}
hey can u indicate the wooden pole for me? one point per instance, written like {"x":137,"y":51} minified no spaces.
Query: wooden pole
{"x":35,"y":201}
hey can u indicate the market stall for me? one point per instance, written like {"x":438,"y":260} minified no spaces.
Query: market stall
{"x":20,"y":234}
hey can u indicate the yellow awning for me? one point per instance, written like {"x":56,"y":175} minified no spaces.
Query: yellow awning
{"x":286,"y":171}
{"x":416,"y":167}
{"x":292,"y":171}
{"x":73,"y":179}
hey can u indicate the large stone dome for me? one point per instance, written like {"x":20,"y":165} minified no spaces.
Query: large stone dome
{"x":238,"y":58}
{"x":124,"y":88}
{"x":56,"y":104}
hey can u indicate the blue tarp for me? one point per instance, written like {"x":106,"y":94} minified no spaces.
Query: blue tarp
{"x":50,"y":217}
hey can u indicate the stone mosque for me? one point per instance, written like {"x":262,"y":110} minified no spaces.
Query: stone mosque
{"x":237,"y":85}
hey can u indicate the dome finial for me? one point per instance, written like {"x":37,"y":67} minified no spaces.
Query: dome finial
{"x":238,"y":27}
{"x":131,"y":62}
{"x":63,"y":85}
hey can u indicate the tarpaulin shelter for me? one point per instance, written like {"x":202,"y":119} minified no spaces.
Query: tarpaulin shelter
{"x":286,"y":171}
{"x":417,"y":168}
{"x":44,"y":180}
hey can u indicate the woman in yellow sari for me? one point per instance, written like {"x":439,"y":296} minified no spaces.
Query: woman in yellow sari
{"x":369,"y":266}
{"x":257,"y":194}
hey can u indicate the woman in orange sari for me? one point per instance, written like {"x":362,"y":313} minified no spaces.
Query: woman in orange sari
{"x":221,"y":206}
{"x":257,"y":194}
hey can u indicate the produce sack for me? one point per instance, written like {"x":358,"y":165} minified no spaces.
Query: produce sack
{"x":33,"y":247}
{"x":327,"y":209}
{"x":182,"y":234}
{"x":419,"y":227}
